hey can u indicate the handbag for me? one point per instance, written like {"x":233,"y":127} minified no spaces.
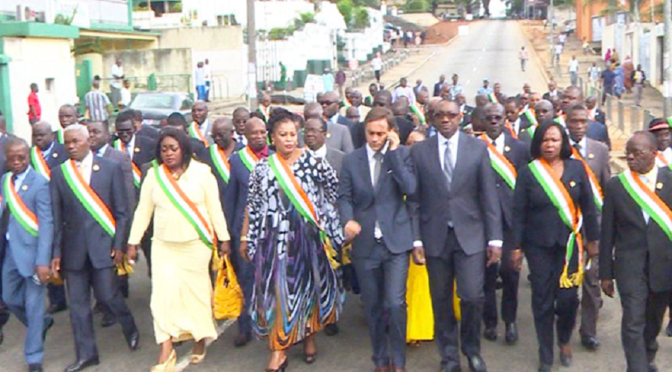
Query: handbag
{"x":228,"y":297}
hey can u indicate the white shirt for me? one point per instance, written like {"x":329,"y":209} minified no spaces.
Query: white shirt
{"x":208,"y":72}
{"x":85,"y":167}
{"x":516,"y":126}
{"x":667,"y":154}
{"x":583,"y":145}
{"x":116,"y":71}
{"x":500,"y":143}
{"x":377,"y":233}
{"x":101,"y":151}
{"x":199,"y":76}
{"x":203,"y":127}
{"x":452,"y":142}
{"x":125,"y":96}
{"x":405,"y":92}
{"x":377,"y":64}
{"x":130,"y":148}
{"x":558,"y":48}
{"x":321,"y":152}
{"x":573,"y":65}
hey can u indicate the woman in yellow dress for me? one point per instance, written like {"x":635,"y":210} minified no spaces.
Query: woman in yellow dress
{"x":182,"y":195}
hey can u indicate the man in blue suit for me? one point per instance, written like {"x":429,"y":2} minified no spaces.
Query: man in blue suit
{"x":374,"y":182}
{"x":26,"y":210}
{"x":235,"y":202}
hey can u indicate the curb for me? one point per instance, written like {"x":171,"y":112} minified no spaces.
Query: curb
{"x":434,"y":54}
{"x":539,"y":63}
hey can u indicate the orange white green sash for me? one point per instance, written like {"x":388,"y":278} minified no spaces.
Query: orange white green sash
{"x":661,"y":161}
{"x":529,"y":114}
{"x":248,"y":158}
{"x":88,"y":197}
{"x":290,"y":185}
{"x":561,"y":119}
{"x":570,"y":216}
{"x":18,"y":208}
{"x":418,"y":111}
{"x":221,"y":162}
{"x":501,"y":164}
{"x":137,"y":174}
{"x":598,"y":195}
{"x":182,"y":202}
{"x":346,"y":103}
{"x":648,"y":200}
{"x":60,"y":136}
{"x":39,"y":163}
{"x":493,"y":98}
{"x":195,"y":132}
{"x":512,"y":131}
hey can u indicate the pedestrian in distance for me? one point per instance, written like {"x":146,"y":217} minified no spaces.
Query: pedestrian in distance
{"x":638,"y":79}
{"x":522,"y":55}
{"x":573,"y":68}
{"x":34,"y":107}
{"x":118,"y":76}
{"x":200,"y":81}
{"x":377,"y":66}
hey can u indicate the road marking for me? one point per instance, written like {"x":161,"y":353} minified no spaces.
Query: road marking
{"x":183,"y":362}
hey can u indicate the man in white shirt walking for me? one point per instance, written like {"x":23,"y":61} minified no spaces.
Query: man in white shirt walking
{"x":115,"y":85}
{"x":377,"y":66}
{"x":522,"y":55}
{"x":573,"y":70}
{"x":199,"y":79}
{"x":208,"y":79}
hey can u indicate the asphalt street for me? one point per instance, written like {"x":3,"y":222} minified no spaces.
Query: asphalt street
{"x":490,"y":50}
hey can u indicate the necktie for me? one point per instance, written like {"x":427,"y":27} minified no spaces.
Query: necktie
{"x":378,"y":157}
{"x":448,"y":164}
{"x":577,"y":146}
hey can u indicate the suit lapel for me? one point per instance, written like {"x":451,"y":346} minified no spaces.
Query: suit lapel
{"x":434,"y":161}
{"x":96,"y":172}
{"x":461,"y":152}
{"x":365,"y":169}
{"x":27,"y":182}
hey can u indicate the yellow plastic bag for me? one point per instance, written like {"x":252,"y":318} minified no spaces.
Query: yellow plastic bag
{"x":456,"y":302}
{"x":228,"y":298}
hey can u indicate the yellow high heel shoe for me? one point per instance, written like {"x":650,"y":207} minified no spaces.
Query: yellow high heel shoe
{"x":197,"y":358}
{"x":168,"y":365}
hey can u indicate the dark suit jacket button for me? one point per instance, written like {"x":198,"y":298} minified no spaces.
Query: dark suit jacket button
{"x":497,"y":184}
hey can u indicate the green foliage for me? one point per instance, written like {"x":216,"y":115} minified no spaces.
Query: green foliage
{"x":307,"y":17}
{"x":62,"y":19}
{"x":361,"y":18}
{"x":281,"y":33}
{"x":416,"y":6}
{"x":346,"y":8}
{"x":356,"y":17}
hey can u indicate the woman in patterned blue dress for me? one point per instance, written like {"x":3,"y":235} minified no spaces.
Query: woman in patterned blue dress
{"x":293,"y":237}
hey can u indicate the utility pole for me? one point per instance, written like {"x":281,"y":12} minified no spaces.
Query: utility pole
{"x":667,"y":85}
{"x":551,"y":39}
{"x":251,"y":57}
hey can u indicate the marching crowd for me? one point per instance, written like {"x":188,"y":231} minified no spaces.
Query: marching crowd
{"x":424,"y":208}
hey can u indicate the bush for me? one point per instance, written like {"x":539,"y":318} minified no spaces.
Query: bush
{"x":416,"y":6}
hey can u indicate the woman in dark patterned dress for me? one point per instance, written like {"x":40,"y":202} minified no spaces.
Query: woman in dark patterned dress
{"x":293,"y":237}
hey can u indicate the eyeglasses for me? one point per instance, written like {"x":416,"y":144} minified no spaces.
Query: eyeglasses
{"x":449,"y":115}
{"x":327,"y":103}
{"x":494,"y":117}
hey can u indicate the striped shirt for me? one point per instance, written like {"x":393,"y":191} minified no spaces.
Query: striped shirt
{"x":97,"y":102}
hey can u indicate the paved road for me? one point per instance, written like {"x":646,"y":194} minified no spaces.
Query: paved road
{"x":489,"y":51}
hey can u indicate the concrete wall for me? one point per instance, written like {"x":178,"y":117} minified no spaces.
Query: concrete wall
{"x":48,"y":63}
{"x":142,"y":63}
{"x":203,"y":38}
{"x":229,"y":71}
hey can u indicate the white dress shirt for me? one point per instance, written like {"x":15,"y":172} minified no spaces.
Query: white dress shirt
{"x":85,"y":167}
{"x":101,"y":151}
{"x":452,"y":142}
{"x":500,"y":143}
{"x":377,"y":233}
{"x":583,"y":145}
{"x":321,"y":152}
{"x":130,"y":148}
{"x":516,"y":126}
{"x":667,"y":154}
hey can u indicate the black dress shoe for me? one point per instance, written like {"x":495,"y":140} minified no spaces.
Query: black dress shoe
{"x":476,"y":363}
{"x":451,"y":367}
{"x":57,"y":308}
{"x":133,"y":341}
{"x":590,"y":343}
{"x":34,"y":368}
{"x":490,"y":334}
{"x":511,"y":335}
{"x":242,"y":339}
{"x":108,"y":320}
{"x":331,"y":329}
{"x":544,"y":368}
{"x":47,"y":326}
{"x":2,"y":336}
{"x":565,"y":359}
{"x":82,"y":364}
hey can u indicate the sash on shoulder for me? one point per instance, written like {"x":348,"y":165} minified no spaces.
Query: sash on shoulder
{"x":88,"y":197}
{"x":248,"y":157}
{"x":501,"y":164}
{"x":570,"y":215}
{"x":509,"y":127}
{"x":60,"y":136}
{"x":529,"y":114}
{"x":18,"y":208}
{"x":39,"y":163}
{"x":183,"y":204}
{"x":418,"y":112}
{"x":598,"y":195}
{"x":493,"y":98}
{"x":661,"y":161}
{"x":195,"y":132}
{"x":648,"y":200}
{"x":137,"y":174}
{"x":221,"y":162}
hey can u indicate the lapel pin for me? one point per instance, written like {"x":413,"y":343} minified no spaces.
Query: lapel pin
{"x":137,"y":149}
{"x":659,"y":186}
{"x":591,"y":156}
{"x":328,"y":135}
{"x":572,"y":183}
{"x":24,"y":187}
{"x":54,"y":155}
{"x":96,"y":167}
{"x":507,"y":149}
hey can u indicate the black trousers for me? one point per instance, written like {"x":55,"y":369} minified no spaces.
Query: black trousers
{"x":510,"y":278}
{"x":105,"y":288}
{"x":550,"y":303}
{"x":591,"y":300}
{"x":470,"y":273}
{"x":245,"y":274}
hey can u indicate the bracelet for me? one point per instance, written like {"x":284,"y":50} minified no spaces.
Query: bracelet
{"x":243,"y":239}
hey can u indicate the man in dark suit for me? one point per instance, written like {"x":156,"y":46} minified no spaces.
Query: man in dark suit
{"x":516,"y":125}
{"x":340,"y":136}
{"x":597,"y":131}
{"x":594,"y":113}
{"x":316,"y":140}
{"x":457,"y":215}
{"x":178,"y":121}
{"x":25,"y":270}
{"x":220,"y":153}
{"x":510,"y":155}
{"x":235,"y":203}
{"x":438,"y":87}
{"x":553,"y":92}
{"x":4,"y":311}
{"x":140,"y":149}
{"x":200,"y":128}
{"x":595,"y":156}
{"x":48,"y":153}
{"x":402,"y":119}
{"x":239,"y":118}
{"x":635,"y":248}
{"x":86,"y":246}
{"x":141,"y":129}
{"x":465,"y":110}
{"x":371,"y":198}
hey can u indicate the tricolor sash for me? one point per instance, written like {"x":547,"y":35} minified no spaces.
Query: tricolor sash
{"x":419,"y":113}
{"x":137,"y":174}
{"x":39,"y":163}
{"x":346,"y":103}
{"x":248,"y":158}
{"x":512,"y":131}
{"x":18,"y":208}
{"x":88,"y":197}
{"x":661,"y":161}
{"x":561,"y":119}
{"x":60,"y":136}
{"x":221,"y":162}
{"x":529,"y":114}
{"x":493,"y":98}
{"x":570,"y":216}
{"x":183,"y":204}
{"x":501,"y":164}
{"x":195,"y":132}
{"x":292,"y":188}
{"x":669,"y":121}
{"x":598,"y":195}
{"x":648,"y":200}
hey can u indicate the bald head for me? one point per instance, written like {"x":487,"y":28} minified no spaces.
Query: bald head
{"x":67,"y":115}
{"x":572,"y":96}
{"x":352,"y":113}
{"x":312,"y":110}
{"x":199,"y":112}
{"x":222,"y":132}
{"x":544,"y":111}
{"x":255,"y":132}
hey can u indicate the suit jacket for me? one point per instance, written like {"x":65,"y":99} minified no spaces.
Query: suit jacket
{"x":358,"y":135}
{"x":598,"y":132}
{"x":126,"y":168}
{"x":466,"y":119}
{"x":344,"y":121}
{"x":144,"y":151}
{"x":339,"y":137}
{"x":600,"y":116}
{"x":598,"y":161}
{"x":57,"y":156}
{"x":358,"y":200}
{"x":405,"y":126}
{"x":471,"y":199}
{"x":207,"y":133}
{"x":148,"y":131}
{"x":221,"y":184}
{"x":335,"y":159}
{"x":76,"y":233}
{"x":547,"y":96}
{"x":437,"y":89}
{"x":629,"y":247}
{"x":536,"y":219}
{"x":517,"y":153}
{"x":27,"y":250}
{"x":199,"y":150}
